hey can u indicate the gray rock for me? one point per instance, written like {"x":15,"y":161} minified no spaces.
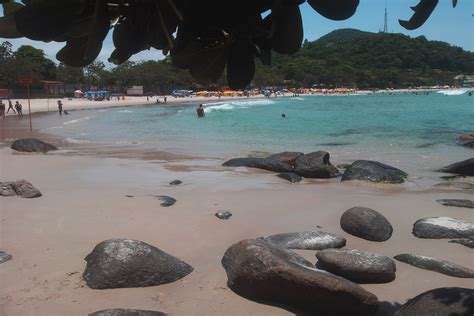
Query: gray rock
{"x":442,"y":227}
{"x":260,"y":163}
{"x":343,"y":166}
{"x":290,"y":176}
{"x":445,"y":301}
{"x":288,"y":157}
{"x":373,"y":171}
{"x":223,"y":214}
{"x":468,"y":144}
{"x":457,"y":203}
{"x":437,"y":265}
{"x":126,"y":312}
{"x":125,"y":263}
{"x":366,"y":223}
{"x":176,"y":182}
{"x":6,"y":189}
{"x":357,"y":266}
{"x":467,"y":242}
{"x":32,"y":145}
{"x":465,"y":168}
{"x":315,"y":165}
{"x":260,"y":271}
{"x":25,"y":189}
{"x":167,"y":200}
{"x":456,"y":185}
{"x":4,"y":257}
{"x":309,"y":240}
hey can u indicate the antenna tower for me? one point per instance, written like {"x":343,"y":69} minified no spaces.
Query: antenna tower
{"x":385,"y":24}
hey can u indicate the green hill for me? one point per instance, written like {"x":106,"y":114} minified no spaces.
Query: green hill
{"x":351,"y":57}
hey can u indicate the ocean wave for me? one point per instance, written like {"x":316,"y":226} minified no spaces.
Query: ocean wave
{"x":77,"y":120}
{"x":78,"y":141}
{"x":236,"y":105}
{"x":452,"y":92}
{"x":125,"y":111}
{"x":224,"y":106}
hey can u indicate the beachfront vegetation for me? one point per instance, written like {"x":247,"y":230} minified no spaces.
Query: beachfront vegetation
{"x":341,"y":58}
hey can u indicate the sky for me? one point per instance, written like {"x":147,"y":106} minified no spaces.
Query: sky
{"x":454,"y":26}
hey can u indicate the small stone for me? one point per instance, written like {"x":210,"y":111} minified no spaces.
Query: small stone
{"x":223,"y":214}
{"x":457,"y":203}
{"x":176,"y":182}
{"x":167,"y":200}
{"x":129,"y":196}
{"x":437,"y":265}
{"x":126,"y":312}
{"x":366,"y":223}
{"x":4,"y":257}
{"x":290,"y":176}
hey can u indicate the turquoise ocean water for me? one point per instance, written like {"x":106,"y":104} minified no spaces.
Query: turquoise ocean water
{"x":404,"y":129}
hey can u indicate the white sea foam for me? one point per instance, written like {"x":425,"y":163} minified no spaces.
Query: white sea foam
{"x":224,"y":106}
{"x":78,"y":141}
{"x":77,"y":120}
{"x":236,"y":105}
{"x":125,"y":111}
{"x":453,"y":92}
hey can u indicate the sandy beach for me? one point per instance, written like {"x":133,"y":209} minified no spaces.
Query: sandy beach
{"x":85,"y":202}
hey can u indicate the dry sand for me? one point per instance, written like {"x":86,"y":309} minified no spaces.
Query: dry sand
{"x":85,"y":203}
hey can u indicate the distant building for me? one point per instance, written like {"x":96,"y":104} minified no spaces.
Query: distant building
{"x":135,"y":90}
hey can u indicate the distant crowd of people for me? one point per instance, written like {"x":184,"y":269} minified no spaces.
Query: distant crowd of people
{"x":17,"y":110}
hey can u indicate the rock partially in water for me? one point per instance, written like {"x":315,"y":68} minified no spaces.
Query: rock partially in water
{"x":260,"y":271}
{"x":223,"y":214}
{"x":442,"y":227}
{"x":457,"y":203}
{"x":308,"y":240}
{"x":445,"y":301}
{"x":373,"y":171}
{"x":25,"y":189}
{"x":467,"y":242}
{"x":290,"y":176}
{"x":468,"y":144}
{"x":315,"y":165}
{"x":288,"y":157}
{"x":437,"y":265}
{"x":456,"y":185}
{"x":126,"y":312}
{"x":6,"y":189}
{"x":4,"y":257}
{"x":32,"y":145}
{"x":366,"y":223}
{"x":357,"y":266}
{"x":260,"y":163}
{"x":176,"y":182}
{"x":167,"y":200}
{"x":465,"y":168}
{"x":125,"y":263}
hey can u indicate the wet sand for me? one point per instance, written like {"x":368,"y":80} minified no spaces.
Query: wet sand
{"x":84,"y":202}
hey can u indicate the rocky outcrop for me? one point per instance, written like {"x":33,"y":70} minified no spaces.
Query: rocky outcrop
{"x":442,"y":227}
{"x":263,"y":272}
{"x":373,"y":171}
{"x":357,"y":266}
{"x":309,"y":240}
{"x":223,"y":214}
{"x":457,"y":203}
{"x":466,"y":242}
{"x":4,"y":257}
{"x":124,"y":263}
{"x":315,"y":165}
{"x":465,"y":168}
{"x":32,"y":145}
{"x":366,"y":223}
{"x":437,"y":265}
{"x":290,"y":176}
{"x":126,"y":312}
{"x":445,"y":301}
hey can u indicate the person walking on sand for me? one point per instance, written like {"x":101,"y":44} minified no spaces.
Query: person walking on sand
{"x":60,"y":107}
{"x":10,"y":106}
{"x":2,"y":109}
{"x":165,"y":100}
{"x":200,"y":111}
{"x":18,"y":108}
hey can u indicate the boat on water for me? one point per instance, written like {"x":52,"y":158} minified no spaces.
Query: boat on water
{"x":453,"y":91}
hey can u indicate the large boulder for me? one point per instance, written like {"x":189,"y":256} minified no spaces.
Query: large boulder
{"x":126,"y":312}
{"x":260,"y":271}
{"x":357,"y":266}
{"x":465,"y":168}
{"x":442,"y":227}
{"x":309,"y":240}
{"x":373,"y":171}
{"x":260,"y":163}
{"x":315,"y":165}
{"x":437,"y":265}
{"x":32,"y":145}
{"x":366,"y":223}
{"x":288,"y":157}
{"x":445,"y":301}
{"x":123,"y":263}
{"x":25,"y":189}
{"x":457,"y":203}
{"x":6,"y":189}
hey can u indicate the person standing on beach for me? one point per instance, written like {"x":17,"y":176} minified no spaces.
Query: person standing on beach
{"x":200,"y":111}
{"x":18,"y":108}
{"x":165,"y":100}
{"x":60,"y":107}
{"x":2,"y":109}
{"x":10,"y":106}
